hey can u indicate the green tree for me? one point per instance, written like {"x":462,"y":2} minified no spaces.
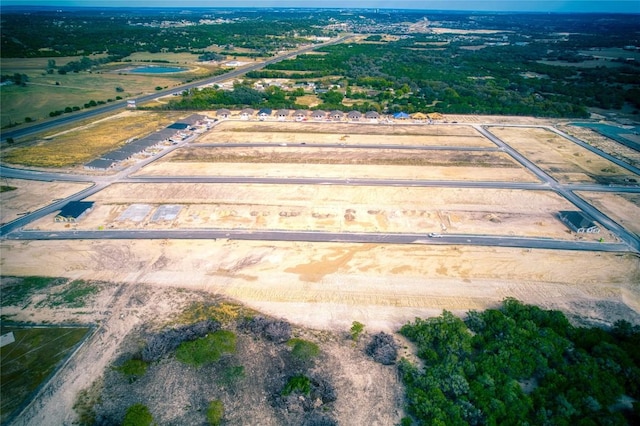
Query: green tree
{"x":356,"y":330}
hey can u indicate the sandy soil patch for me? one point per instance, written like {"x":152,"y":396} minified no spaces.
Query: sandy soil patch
{"x":453,"y":173}
{"x":332,"y":209}
{"x":561,"y":158}
{"x":603,"y":143}
{"x":623,"y":208}
{"x":327,"y":285}
{"x":344,"y":156}
{"x":32,"y":195}
{"x":297,"y":138}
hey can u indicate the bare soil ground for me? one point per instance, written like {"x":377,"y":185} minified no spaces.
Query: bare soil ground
{"x":603,"y":143}
{"x":31,"y":195}
{"x":623,"y":208}
{"x":328,"y":285}
{"x":561,"y":158}
{"x":331,"y":208}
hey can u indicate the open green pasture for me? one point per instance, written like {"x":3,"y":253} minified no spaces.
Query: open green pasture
{"x":29,"y":361}
{"x":45,"y":93}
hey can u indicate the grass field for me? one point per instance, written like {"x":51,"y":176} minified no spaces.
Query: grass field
{"x":83,"y":144}
{"x":45,"y":93}
{"x":30,"y":360}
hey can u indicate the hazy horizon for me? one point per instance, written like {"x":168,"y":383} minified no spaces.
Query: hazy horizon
{"x":557,"y":6}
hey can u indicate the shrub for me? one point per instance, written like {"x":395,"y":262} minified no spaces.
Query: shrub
{"x":383,"y":349}
{"x":137,"y":415}
{"x":133,"y":369}
{"x":299,"y":383}
{"x":215,"y":412}
{"x":162,"y":343}
{"x":303,"y":350}
{"x":277,"y":331}
{"x":356,"y":330}
{"x":207,"y":349}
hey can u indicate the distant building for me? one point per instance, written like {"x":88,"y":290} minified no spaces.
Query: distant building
{"x":73,"y":211}
{"x":246,"y":113}
{"x":354,"y":115}
{"x":282,"y":114}
{"x":578,"y":222}
{"x":223,"y":113}
{"x":336,"y":115}
{"x":300,"y":115}
{"x":372,"y":116}
{"x":264,"y":113}
{"x":318,"y":115}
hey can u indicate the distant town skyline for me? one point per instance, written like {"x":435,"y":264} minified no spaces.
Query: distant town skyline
{"x":561,"y":6}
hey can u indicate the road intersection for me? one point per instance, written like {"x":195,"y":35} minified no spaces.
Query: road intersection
{"x":18,"y":229}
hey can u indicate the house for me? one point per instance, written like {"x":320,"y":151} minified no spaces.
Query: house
{"x":354,"y":115}
{"x":223,"y":113}
{"x":578,"y":222}
{"x":336,"y":115}
{"x":300,"y":115}
{"x":246,"y":113}
{"x":73,"y":211}
{"x":319,"y":115}
{"x":264,"y":113}
{"x":435,"y":116}
{"x":372,"y":116}
{"x":100,"y":164}
{"x":401,"y":116}
{"x":282,"y":114}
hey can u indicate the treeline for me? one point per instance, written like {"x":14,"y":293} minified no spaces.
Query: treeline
{"x":52,"y":34}
{"x":487,"y":81}
{"x":520,"y":364}
{"x":242,"y":96}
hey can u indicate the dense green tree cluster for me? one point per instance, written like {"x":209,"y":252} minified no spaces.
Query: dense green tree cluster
{"x":520,"y":365}
{"x":71,"y":32}
{"x":241,"y":96}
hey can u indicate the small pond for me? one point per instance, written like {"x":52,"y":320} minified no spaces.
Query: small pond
{"x":157,"y":70}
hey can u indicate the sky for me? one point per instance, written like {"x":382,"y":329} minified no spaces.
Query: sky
{"x":572,"y":6}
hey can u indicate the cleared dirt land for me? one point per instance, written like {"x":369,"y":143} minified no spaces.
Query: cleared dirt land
{"x":30,"y":195}
{"x":561,"y":158}
{"x":327,"y":208}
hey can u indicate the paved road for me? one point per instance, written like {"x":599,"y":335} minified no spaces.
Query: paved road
{"x":121,"y":105}
{"x":317,"y":236}
{"x":13,"y":230}
{"x":344,"y":146}
{"x":627,"y":237}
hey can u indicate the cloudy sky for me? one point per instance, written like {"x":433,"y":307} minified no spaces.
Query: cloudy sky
{"x":616,"y":6}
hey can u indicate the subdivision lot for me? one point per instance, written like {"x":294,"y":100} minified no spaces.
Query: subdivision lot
{"x":329,"y":208}
{"x":345,"y":133}
{"x":623,"y":208}
{"x":341,"y":163}
{"x":32,"y":195}
{"x":562,"y":159}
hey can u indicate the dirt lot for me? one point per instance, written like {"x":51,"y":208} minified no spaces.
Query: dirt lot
{"x":623,"y":208}
{"x":31,"y":195}
{"x":329,"y":285}
{"x":562,"y":159}
{"x":330,"y":208}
